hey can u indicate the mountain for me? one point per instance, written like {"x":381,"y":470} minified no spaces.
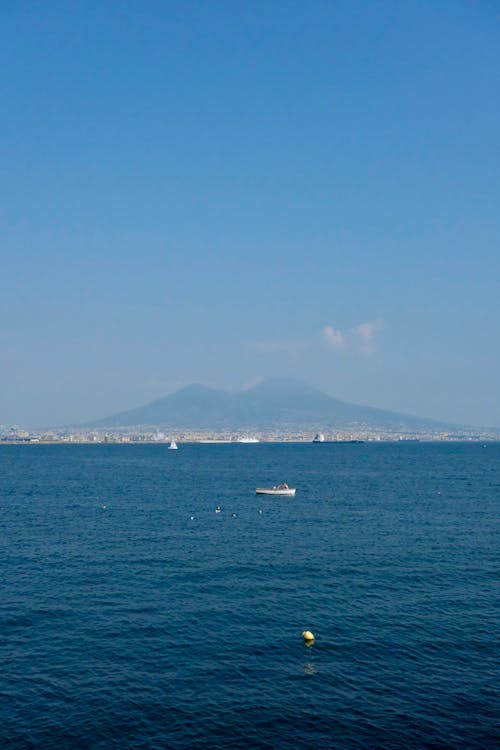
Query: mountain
{"x":278,"y":403}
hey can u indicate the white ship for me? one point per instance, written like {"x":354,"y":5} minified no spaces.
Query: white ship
{"x":319,"y":438}
{"x":248,"y":440}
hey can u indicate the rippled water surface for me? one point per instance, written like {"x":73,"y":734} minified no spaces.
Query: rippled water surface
{"x":133,"y":615}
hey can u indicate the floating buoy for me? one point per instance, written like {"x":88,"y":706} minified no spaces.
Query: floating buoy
{"x":308,"y":637}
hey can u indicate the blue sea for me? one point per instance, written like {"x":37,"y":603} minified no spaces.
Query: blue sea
{"x":133,"y":615}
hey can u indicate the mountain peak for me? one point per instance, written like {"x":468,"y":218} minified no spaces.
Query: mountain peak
{"x":194,"y":389}
{"x":284,"y":403}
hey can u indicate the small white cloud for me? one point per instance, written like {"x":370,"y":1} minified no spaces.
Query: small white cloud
{"x":334,"y":338}
{"x":365,"y":334}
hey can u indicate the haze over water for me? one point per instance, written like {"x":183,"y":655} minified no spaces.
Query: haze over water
{"x":135,"y":616}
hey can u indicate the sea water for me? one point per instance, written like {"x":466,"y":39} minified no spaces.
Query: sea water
{"x":132,"y":615}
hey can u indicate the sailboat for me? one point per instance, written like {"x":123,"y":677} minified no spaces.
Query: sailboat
{"x":172,"y":446}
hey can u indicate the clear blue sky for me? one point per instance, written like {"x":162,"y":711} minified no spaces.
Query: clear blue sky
{"x":221,"y":192}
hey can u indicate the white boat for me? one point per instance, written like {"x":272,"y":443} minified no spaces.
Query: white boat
{"x":248,"y":440}
{"x":319,"y":438}
{"x":172,"y":446}
{"x":280,"y":489}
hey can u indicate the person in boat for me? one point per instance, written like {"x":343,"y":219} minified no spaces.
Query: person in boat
{"x":282,"y":486}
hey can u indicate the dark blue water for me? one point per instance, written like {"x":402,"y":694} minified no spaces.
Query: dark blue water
{"x":125,"y":624}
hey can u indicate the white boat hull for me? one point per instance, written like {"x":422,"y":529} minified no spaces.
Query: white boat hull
{"x":290,"y":492}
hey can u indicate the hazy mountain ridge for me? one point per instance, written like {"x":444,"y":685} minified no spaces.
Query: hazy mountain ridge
{"x":271,"y":404}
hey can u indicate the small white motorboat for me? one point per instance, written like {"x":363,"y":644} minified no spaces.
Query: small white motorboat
{"x":279,"y":489}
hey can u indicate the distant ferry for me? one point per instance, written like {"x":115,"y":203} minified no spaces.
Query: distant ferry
{"x":248,"y":440}
{"x":320,"y":438}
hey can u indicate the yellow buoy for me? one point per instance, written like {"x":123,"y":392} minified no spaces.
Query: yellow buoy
{"x":308,"y":637}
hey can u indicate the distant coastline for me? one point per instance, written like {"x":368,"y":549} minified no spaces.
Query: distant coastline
{"x":274,"y":411}
{"x":206,"y":437}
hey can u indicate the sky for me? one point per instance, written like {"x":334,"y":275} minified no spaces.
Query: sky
{"x":221,"y":192}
